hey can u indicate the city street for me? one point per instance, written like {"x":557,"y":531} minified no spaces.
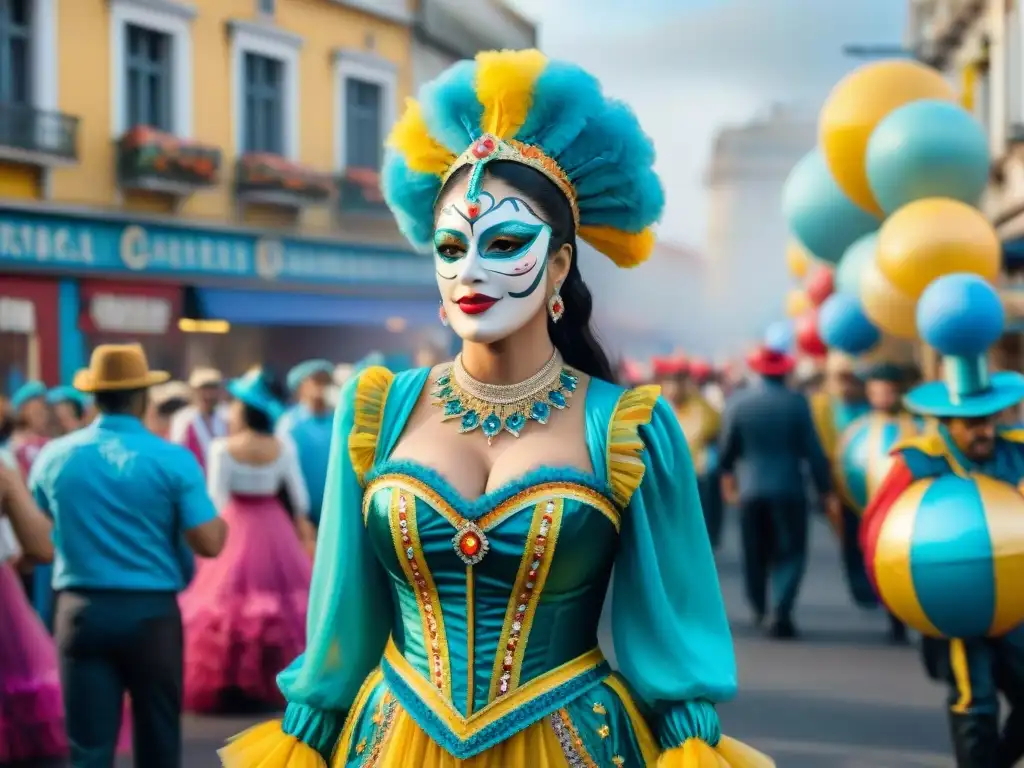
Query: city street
{"x":840,"y":699}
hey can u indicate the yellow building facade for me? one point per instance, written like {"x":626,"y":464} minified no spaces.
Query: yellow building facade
{"x":164,"y":160}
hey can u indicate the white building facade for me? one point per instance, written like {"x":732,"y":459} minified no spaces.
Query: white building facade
{"x":747,"y":279}
{"x":446,"y":31}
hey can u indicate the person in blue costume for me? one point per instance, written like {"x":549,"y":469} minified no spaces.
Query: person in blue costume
{"x":474,"y":511}
{"x":767,"y":439}
{"x":968,"y":441}
{"x":309,"y":426}
{"x":885,"y":423}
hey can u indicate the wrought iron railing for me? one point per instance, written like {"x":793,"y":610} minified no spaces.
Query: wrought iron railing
{"x":38,"y":131}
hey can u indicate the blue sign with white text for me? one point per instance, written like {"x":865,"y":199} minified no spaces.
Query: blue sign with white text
{"x":71,"y":244}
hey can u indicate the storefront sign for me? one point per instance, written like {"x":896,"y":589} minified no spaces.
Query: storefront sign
{"x":17,"y":315}
{"x":111,"y":313}
{"x":64,"y":243}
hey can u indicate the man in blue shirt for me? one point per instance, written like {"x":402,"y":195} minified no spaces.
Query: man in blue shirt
{"x":309,"y":425}
{"x":129,"y":509}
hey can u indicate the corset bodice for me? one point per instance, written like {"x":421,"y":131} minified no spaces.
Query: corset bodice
{"x":491,"y":593}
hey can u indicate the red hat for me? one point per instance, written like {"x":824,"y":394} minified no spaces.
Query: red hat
{"x":769,"y":362}
{"x":701,"y":369}
{"x":677,"y":365}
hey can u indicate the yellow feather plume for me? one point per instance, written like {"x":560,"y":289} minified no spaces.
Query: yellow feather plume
{"x":410,"y":137}
{"x":504,"y":87}
{"x":626,"y":249}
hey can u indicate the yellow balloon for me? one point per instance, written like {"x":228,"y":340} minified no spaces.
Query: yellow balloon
{"x":797,"y":260}
{"x":857,"y":104}
{"x":930,"y":238}
{"x":889,"y":309}
{"x":797,"y":302}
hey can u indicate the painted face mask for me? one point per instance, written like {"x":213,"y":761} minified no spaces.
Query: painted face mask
{"x":491,"y":268}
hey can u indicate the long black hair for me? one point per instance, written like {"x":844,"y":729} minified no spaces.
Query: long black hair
{"x":573,"y":336}
{"x":254,"y":418}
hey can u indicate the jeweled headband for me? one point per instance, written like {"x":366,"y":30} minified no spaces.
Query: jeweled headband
{"x":522,"y":107}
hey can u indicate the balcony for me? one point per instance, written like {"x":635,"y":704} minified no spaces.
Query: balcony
{"x":148,"y":159}
{"x":266,"y":178}
{"x":36,"y":137}
{"x":359,"y":193}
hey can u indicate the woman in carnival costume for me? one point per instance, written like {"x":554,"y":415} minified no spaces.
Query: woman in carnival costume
{"x":941,"y":535}
{"x":460,"y":572}
{"x":244,"y":614}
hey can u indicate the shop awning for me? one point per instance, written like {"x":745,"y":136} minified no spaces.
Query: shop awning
{"x":242,"y":307}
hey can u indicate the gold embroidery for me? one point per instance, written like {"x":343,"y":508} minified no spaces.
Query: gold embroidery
{"x":344,"y":744}
{"x":405,"y":535}
{"x":383,"y":718}
{"x":599,"y":709}
{"x":603,"y":731}
{"x":526,"y":498}
{"x":361,"y":747}
{"x":618,"y":760}
{"x":522,"y":606}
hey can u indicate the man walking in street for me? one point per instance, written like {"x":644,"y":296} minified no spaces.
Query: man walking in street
{"x":129,"y":509}
{"x":767,"y":437}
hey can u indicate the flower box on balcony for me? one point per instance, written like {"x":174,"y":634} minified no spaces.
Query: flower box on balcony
{"x":151,"y":159}
{"x":359,"y":192}
{"x":270,"y":178}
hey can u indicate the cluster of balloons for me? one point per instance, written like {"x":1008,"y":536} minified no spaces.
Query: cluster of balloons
{"x":885,"y":205}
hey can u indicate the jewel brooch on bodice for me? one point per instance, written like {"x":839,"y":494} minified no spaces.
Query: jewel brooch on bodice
{"x":494,"y":408}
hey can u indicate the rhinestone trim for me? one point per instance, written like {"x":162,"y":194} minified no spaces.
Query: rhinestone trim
{"x":572,"y":745}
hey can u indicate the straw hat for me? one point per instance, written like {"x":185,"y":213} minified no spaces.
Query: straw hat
{"x":205,"y":377}
{"x":115,"y":367}
{"x":172,"y":390}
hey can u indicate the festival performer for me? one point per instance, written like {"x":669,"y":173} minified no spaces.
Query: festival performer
{"x":308,"y":424}
{"x":861,"y":463}
{"x":71,"y":409}
{"x":474,"y":511}
{"x":245,"y":613}
{"x":165,"y":401}
{"x":198,"y":425}
{"x":968,"y":444}
{"x":31,"y":424}
{"x":767,"y":439}
{"x":31,"y":709}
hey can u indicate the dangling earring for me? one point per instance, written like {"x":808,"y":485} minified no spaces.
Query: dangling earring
{"x":556,"y":307}
{"x":441,"y":314}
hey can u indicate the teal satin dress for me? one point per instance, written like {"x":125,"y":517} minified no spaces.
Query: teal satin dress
{"x":476,"y":641}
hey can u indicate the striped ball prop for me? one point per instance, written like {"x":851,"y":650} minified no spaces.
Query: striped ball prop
{"x":863,"y":460}
{"x":948,"y":559}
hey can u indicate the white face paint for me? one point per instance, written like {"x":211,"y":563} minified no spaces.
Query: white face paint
{"x":491,"y":269}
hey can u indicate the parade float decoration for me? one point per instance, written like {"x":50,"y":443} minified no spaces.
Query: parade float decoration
{"x":947,"y":557}
{"x":823,"y":219}
{"x":891,"y":310}
{"x":850,"y":268}
{"x":797,"y":303}
{"x":820,"y":285}
{"x":864,"y":453}
{"x":808,"y":339}
{"x":798,"y":261}
{"x":844,"y":326}
{"x":857,"y":105}
{"x":780,"y":336}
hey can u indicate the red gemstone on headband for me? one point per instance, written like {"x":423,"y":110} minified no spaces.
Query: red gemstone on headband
{"x":473,"y":210}
{"x":484,"y":147}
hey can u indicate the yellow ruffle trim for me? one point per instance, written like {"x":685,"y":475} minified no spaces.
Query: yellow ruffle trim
{"x":625,"y":447}
{"x":729,"y":753}
{"x":371,"y":394}
{"x":267,"y":746}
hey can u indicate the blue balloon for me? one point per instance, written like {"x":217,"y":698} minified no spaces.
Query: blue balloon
{"x":823,"y":219}
{"x":927,"y":149}
{"x":857,"y":257}
{"x":843,"y":325}
{"x":960,"y":315}
{"x":780,"y":336}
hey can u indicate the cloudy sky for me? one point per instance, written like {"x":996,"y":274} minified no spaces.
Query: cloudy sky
{"x":690,"y":66}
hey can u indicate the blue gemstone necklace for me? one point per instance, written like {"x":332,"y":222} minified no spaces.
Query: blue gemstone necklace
{"x":497,"y":408}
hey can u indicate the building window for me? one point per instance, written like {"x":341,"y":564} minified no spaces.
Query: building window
{"x":265,"y":88}
{"x":15,"y":52}
{"x":363,"y":124}
{"x":266,"y":7}
{"x":264,"y":104}
{"x":148,"y":56}
{"x":151,"y":65}
{"x":367,"y":88}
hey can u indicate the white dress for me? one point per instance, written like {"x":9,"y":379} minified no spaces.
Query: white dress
{"x":245,"y":612}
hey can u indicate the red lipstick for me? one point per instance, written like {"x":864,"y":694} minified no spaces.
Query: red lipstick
{"x":476,"y":304}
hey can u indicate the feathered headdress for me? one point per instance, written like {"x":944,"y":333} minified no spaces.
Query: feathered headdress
{"x":549,"y":115}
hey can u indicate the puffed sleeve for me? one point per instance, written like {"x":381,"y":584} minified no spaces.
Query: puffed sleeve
{"x":671,"y":636}
{"x":349,"y":603}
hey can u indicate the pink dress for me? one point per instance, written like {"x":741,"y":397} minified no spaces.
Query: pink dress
{"x":245,"y":612}
{"x":192,"y":430}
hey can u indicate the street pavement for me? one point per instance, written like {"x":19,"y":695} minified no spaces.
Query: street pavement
{"x":839,"y":698}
